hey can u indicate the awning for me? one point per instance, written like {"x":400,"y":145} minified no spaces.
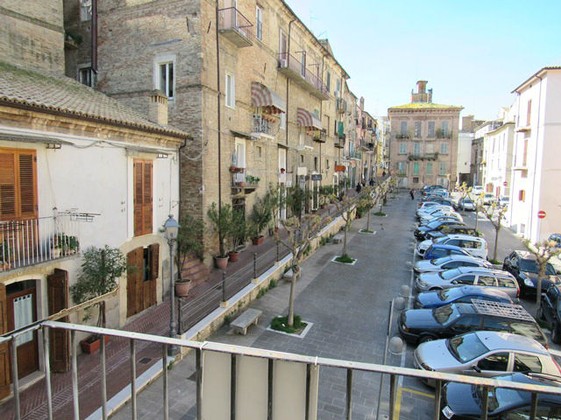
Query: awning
{"x":307,"y":119}
{"x":263,"y":97}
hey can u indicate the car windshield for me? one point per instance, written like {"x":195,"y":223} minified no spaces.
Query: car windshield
{"x":531,"y":266}
{"x":449,"y":274}
{"x":448,"y":294}
{"x":440,"y":261}
{"x":466,"y":347}
{"x":445,"y":314}
{"x":467,"y":200}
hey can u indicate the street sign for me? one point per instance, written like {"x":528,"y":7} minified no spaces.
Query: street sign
{"x":541,"y":214}
{"x":505,"y":184}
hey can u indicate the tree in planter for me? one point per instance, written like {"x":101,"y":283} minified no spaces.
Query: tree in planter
{"x":276,"y":199}
{"x":496,"y":215}
{"x":221,"y":219}
{"x":366,"y":203}
{"x":101,"y":269}
{"x":260,"y":217}
{"x":189,"y":242}
{"x":237,"y":232}
{"x":543,"y":252}
{"x":344,"y":209}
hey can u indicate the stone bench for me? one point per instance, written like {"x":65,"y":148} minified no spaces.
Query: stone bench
{"x":337,"y":239}
{"x":242,"y":322}
{"x":288,"y":275}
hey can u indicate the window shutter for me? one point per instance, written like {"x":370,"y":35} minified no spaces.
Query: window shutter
{"x":147,"y":199}
{"x":135,"y":291}
{"x":137,"y":198}
{"x":27,"y":185}
{"x":7,"y":185}
{"x":154,"y":260}
{"x":57,"y":291}
{"x":5,"y":377}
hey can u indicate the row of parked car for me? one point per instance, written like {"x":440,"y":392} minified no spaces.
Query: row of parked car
{"x":466,"y":317}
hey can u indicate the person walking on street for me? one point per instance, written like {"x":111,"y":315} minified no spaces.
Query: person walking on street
{"x":412,"y":193}
{"x":358,"y":187}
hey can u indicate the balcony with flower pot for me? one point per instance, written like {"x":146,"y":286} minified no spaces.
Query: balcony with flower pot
{"x":243,"y":183}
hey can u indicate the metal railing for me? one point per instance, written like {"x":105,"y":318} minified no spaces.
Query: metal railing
{"x":288,"y":61}
{"x":247,"y":367}
{"x":230,"y":19}
{"x":261,"y":125}
{"x":32,"y":241}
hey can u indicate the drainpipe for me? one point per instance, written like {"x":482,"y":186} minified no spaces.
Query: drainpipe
{"x":218,"y":116}
{"x":288,"y":82}
{"x":532,"y":214}
{"x":94,"y":37}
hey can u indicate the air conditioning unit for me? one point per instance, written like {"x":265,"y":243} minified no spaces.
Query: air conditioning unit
{"x":302,"y":171}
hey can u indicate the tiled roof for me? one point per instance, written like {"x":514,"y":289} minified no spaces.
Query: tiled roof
{"x":63,"y":95}
{"x":425,"y":105}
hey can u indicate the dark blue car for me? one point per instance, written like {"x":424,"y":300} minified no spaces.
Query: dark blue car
{"x":463,"y":294}
{"x":437,"y":251}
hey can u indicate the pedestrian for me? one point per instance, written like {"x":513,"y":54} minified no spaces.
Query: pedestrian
{"x":412,"y":193}
{"x":371,"y":182}
{"x":358,"y":187}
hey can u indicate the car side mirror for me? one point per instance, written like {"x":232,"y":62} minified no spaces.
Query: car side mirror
{"x":454,"y":282}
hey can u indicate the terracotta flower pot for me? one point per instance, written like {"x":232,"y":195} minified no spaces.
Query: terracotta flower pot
{"x":258,"y":240}
{"x":221,"y":262}
{"x":182,"y":288}
{"x":234,"y":256}
{"x":92,"y":343}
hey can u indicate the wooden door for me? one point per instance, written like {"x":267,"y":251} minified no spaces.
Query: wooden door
{"x":59,"y":341}
{"x":135,"y":273}
{"x":5,"y":369}
{"x":21,"y":312}
{"x":149,"y":283}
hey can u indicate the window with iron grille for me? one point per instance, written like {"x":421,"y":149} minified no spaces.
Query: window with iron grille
{"x":259,"y":23}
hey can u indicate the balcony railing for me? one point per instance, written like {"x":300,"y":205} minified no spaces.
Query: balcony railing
{"x":252,"y":374}
{"x":300,"y":73}
{"x":341,"y":106}
{"x":235,"y":26}
{"x":423,"y":156}
{"x":33,"y":241}
{"x":319,"y":136}
{"x":443,"y":134}
{"x":262,"y":125}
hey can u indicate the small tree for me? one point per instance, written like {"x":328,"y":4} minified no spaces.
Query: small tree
{"x":260,"y":216}
{"x":479,"y":207}
{"x":221,"y":219}
{"x":189,"y":241}
{"x":344,"y":209}
{"x":496,"y":215}
{"x":101,"y":268}
{"x":543,"y":252}
{"x":237,"y":232}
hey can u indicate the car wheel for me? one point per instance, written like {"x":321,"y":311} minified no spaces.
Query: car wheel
{"x":427,"y":338}
{"x":556,"y":333}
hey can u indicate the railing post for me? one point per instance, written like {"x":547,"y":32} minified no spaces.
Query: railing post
{"x":349,"y":404}
{"x":103,"y":357}
{"x":278,"y":259}
{"x":15,"y":378}
{"x":224,"y":287}
{"x":75,"y":392}
{"x":133,"y":379}
{"x":255,"y":265}
{"x":46,"y":332}
{"x":393,"y":385}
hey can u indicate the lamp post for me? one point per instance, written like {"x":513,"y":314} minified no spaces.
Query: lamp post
{"x":171,"y":228}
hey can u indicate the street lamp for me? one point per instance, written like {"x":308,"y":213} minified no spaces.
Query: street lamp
{"x":171,"y":228}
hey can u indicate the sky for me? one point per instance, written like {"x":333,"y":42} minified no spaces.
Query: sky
{"x":473,"y":53}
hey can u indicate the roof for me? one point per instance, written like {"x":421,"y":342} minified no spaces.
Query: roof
{"x":495,"y":340}
{"x":65,"y":96}
{"x":537,"y":74}
{"x":424,"y":106}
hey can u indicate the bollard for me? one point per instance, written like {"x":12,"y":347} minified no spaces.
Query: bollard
{"x":396,"y":345}
{"x":223,"y":287}
{"x":255,"y":265}
{"x":399,"y":303}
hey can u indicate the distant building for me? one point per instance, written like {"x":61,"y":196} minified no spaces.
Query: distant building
{"x":424,"y":141}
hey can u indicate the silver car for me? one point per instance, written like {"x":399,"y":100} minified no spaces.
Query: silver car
{"x":449,"y":262}
{"x":485,"y":353}
{"x":471,"y":276}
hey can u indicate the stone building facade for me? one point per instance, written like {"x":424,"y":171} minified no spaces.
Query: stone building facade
{"x":424,"y":141}
{"x":262,"y":97}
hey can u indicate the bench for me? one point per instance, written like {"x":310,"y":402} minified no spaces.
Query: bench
{"x":289,"y":275}
{"x":337,"y":239}
{"x":242,"y":322}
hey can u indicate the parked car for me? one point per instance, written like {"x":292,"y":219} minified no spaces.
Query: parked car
{"x":504,"y":201}
{"x":429,"y":207}
{"x":550,"y":311}
{"x":437,"y":199}
{"x":477,"y":190}
{"x":472,"y":276}
{"x":556,"y":239}
{"x":420,"y":325}
{"x":489,"y":199}
{"x":439,"y":214}
{"x":452,"y":230}
{"x":460,"y":294}
{"x":474,"y":245}
{"x":523,"y":266}
{"x":421,"y":231}
{"x":455,"y":217}
{"x":439,"y":251}
{"x":447,"y":263}
{"x":466,"y":204}
{"x":464,"y":401}
{"x":485,"y":353}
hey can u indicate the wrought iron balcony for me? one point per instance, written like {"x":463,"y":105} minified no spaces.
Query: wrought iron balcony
{"x":319,"y":136}
{"x":423,"y":156}
{"x":235,"y":27}
{"x":262,"y":125}
{"x":299,"y":72}
{"x":341,"y":106}
{"x":27,"y":242}
{"x":443,"y":134}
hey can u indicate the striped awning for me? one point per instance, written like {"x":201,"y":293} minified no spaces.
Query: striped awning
{"x":306,"y":119}
{"x":263,"y":97}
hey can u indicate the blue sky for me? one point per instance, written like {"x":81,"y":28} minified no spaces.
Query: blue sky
{"x":473,"y":53}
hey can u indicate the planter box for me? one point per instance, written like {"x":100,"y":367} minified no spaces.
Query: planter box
{"x":258,"y":240}
{"x":91,"y":345}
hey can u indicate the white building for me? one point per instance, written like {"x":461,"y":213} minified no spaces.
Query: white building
{"x":536,"y":168}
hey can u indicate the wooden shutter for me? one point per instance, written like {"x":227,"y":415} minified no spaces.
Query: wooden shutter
{"x":143,"y":197}
{"x":150,"y":282}
{"x":18,"y":184}
{"x":5,"y":376}
{"x":27,"y":186}
{"x":135,"y":274}
{"x":7,"y":186}
{"x":137,"y":198}
{"x":147,"y":199}
{"x":59,"y":341}
{"x":154,"y":261}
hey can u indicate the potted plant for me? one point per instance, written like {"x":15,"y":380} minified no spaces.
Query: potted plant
{"x":221,"y":220}
{"x":63,"y":245}
{"x":4,"y":256}
{"x":100,"y":271}
{"x":237,"y":234}
{"x":189,"y":244}
{"x":259,"y":219}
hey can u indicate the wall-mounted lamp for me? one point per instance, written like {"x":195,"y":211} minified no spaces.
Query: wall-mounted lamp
{"x":54,"y":146}
{"x":162,"y":155}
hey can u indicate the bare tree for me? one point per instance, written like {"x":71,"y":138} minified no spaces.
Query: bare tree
{"x":495,"y":214}
{"x":543,"y":252}
{"x":345,"y":208}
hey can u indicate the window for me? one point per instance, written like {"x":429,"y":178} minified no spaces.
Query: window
{"x":85,"y":10}
{"x":86,"y":76}
{"x":230,"y":91}
{"x":444,"y":148}
{"x":402,"y":148}
{"x":527,"y":363}
{"x":416,"y":168}
{"x":166,"y":78}
{"x":525,"y":153}
{"x":403,"y":128}
{"x":522,"y":195}
{"x":529,"y":112}
{"x":315,"y":163}
{"x":328,"y":81}
{"x":338,"y":88}
{"x":445,"y":128}
{"x":486,"y":281}
{"x":401,"y":168}
{"x":415,"y":180}
{"x":303,"y":64}
{"x":282,"y":122}
{"x":238,"y":159}
{"x":417,"y":149}
{"x":467,"y":279}
{"x":417,"y":128}
{"x":142,"y":173}
{"x":18,"y":184}
{"x":283,"y":48}
{"x":431,"y":129}
{"x":429,"y":168}
{"x":259,"y":23}
{"x":442,"y":168}
{"x":496,"y":362}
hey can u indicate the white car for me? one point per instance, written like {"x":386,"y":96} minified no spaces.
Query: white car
{"x":426,"y":219}
{"x":424,"y":210}
{"x":449,"y":262}
{"x":477,"y":190}
{"x":485,"y":353}
{"x":474,"y":245}
{"x":489,"y":199}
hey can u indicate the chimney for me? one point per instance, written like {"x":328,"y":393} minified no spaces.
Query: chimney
{"x":421,"y":86}
{"x":429,"y":99}
{"x":158,"y":108}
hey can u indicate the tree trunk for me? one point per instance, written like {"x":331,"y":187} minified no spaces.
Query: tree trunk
{"x":295,"y":277}
{"x":541,"y":275}
{"x":497,"y":230}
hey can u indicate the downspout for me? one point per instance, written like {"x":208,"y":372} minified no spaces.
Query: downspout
{"x":288,"y":94}
{"x":94,"y":37}
{"x":179,"y":211}
{"x":218,"y":118}
{"x":532,"y":215}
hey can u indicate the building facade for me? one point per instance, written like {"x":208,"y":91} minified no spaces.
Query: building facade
{"x":424,"y":141}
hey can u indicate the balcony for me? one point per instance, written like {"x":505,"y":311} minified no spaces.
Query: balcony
{"x":403,"y":136}
{"x":28,"y":242}
{"x":443,"y":134}
{"x":340,"y":142}
{"x":341,"y":106}
{"x":243,"y":184}
{"x":235,"y":27}
{"x":423,"y":156}
{"x":319,"y":136}
{"x":264,"y":126}
{"x":302,"y":76}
